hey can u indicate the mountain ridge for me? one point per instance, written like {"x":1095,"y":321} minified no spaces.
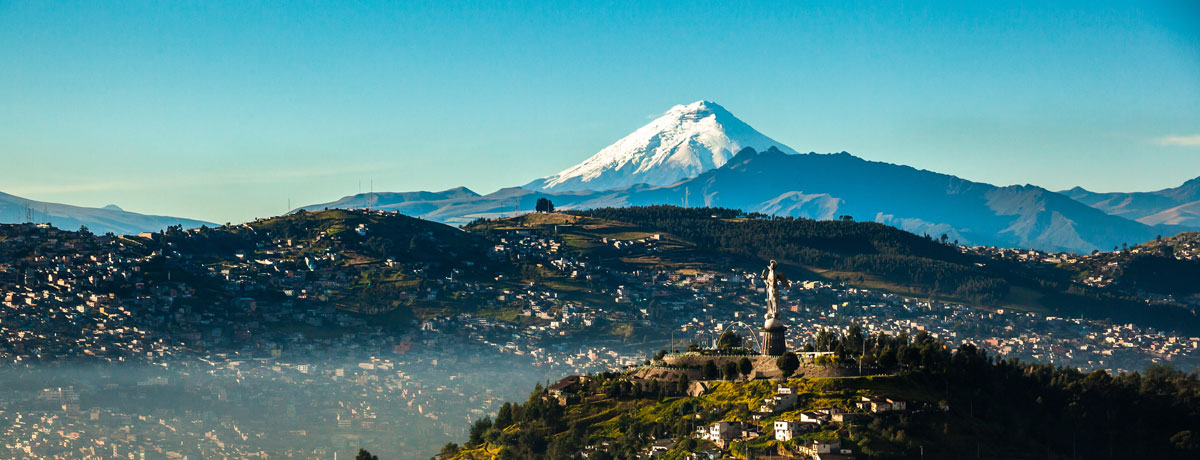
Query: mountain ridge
{"x":1173,"y":206}
{"x":15,"y":209}
{"x":684,"y":158}
{"x":826,"y":186}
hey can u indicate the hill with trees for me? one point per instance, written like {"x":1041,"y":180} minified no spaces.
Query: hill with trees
{"x":960,"y":403}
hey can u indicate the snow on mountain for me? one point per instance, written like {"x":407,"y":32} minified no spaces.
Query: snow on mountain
{"x":681,"y":144}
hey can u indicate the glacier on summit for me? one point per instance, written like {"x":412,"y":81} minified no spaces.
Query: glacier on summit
{"x":681,"y":144}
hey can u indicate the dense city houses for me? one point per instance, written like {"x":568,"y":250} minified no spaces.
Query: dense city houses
{"x":208,"y":353}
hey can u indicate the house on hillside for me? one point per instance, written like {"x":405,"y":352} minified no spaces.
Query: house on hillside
{"x":879,"y":404}
{"x":566,"y":388}
{"x":843,"y":454}
{"x":785,"y":430}
{"x":817,"y":447}
{"x":783,"y":399}
{"x":815,"y":417}
{"x":722,"y":432}
{"x":660,"y":447}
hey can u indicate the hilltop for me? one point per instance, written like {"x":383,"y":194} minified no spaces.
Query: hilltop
{"x":940,"y":404}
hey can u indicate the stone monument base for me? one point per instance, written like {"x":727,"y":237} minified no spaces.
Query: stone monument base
{"x":773,"y":343}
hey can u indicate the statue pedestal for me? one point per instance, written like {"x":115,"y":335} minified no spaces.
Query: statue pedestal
{"x":773,"y":342}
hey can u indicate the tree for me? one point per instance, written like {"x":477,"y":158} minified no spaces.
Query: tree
{"x":364,"y":455}
{"x":504,"y":417}
{"x":544,"y":205}
{"x":745,"y":366}
{"x":682,"y":386}
{"x":788,"y":363}
{"x":449,"y":449}
{"x":910,"y":356}
{"x":478,"y":428}
{"x":854,"y":340}
{"x":729,"y":339}
{"x":730,"y":369}
{"x":710,"y":370}
{"x":887,"y":357}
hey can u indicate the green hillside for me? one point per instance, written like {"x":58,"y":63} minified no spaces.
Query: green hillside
{"x":960,"y":404}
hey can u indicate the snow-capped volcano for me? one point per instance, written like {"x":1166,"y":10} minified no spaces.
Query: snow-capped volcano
{"x":681,"y":144}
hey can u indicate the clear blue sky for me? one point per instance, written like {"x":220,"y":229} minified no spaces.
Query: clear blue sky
{"x":225,"y":110}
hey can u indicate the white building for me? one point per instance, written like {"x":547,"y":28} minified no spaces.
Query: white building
{"x":783,"y":399}
{"x":785,"y":430}
{"x":817,"y":447}
{"x":721,"y":432}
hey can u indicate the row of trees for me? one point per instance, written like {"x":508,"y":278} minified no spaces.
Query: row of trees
{"x":877,"y":351}
{"x":731,"y":370}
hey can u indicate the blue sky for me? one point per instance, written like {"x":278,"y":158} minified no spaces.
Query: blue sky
{"x":226,"y":110}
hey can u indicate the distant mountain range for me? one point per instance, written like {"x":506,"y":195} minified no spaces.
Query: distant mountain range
{"x":14,"y":209}
{"x":686,"y":157}
{"x":827,"y":186}
{"x":1172,"y":206}
{"x":700,"y":154}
